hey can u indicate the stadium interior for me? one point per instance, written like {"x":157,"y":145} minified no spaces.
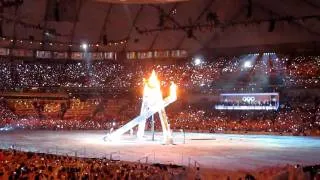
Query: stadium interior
{"x":71,"y":65}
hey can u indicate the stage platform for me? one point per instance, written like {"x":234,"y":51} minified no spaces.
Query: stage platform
{"x":219,"y":151}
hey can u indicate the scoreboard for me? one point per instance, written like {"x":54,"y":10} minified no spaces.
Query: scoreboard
{"x":248,"y":101}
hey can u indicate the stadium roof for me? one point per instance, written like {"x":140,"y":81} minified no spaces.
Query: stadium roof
{"x":191,"y":25}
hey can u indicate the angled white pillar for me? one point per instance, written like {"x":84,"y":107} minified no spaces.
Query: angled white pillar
{"x":152,"y":103}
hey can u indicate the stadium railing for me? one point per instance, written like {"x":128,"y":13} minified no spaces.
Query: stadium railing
{"x":150,"y":158}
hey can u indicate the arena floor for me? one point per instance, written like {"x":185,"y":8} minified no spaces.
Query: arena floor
{"x":219,"y":151}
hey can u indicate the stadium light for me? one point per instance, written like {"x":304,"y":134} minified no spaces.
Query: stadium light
{"x":247,"y":64}
{"x":197,"y":61}
{"x":84,"y":46}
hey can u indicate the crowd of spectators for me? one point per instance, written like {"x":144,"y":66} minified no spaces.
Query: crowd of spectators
{"x":28,"y":165}
{"x":294,"y":117}
{"x":21,"y":165}
{"x":6,"y":115}
{"x":297,"y":115}
{"x":208,"y":75}
{"x":295,"y":121}
{"x":247,"y":72}
{"x":303,"y":71}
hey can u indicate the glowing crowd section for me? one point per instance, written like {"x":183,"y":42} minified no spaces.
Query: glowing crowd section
{"x":298,"y":111}
{"x":248,"y":71}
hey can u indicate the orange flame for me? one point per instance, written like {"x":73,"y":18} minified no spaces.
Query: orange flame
{"x":153,"y":83}
{"x":153,"y":80}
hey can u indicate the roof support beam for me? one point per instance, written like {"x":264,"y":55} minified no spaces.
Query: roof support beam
{"x":45,"y":19}
{"x":133,"y":25}
{"x":14,"y":35}
{"x":310,"y":3}
{"x":105,"y":22}
{"x":173,"y":20}
{"x":294,"y":22}
{"x":1,"y":20}
{"x":157,"y":35}
{"x":73,"y":30}
{"x":205,"y":9}
{"x":154,"y":40}
{"x":215,"y":36}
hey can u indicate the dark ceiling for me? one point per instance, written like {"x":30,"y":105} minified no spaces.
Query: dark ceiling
{"x":191,"y":25}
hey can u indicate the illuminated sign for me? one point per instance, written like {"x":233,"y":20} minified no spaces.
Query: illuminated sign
{"x":248,"y":101}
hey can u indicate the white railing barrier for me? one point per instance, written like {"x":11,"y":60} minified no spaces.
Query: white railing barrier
{"x":112,"y":157}
{"x":116,"y":155}
{"x":193,"y":163}
{"x":143,"y":158}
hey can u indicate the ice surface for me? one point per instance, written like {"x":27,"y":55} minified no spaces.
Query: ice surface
{"x":219,"y":151}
